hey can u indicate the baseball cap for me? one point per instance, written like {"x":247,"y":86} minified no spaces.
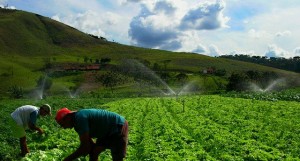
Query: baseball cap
{"x":47,"y":107}
{"x":60,"y":114}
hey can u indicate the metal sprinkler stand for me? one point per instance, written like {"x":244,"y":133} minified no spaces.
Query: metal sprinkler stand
{"x":183,"y":101}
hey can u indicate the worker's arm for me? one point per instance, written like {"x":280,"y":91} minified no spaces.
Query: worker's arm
{"x":34,"y":127}
{"x":84,"y":148}
{"x":32,"y":122}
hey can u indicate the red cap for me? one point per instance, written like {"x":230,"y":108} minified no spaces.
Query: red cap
{"x":60,"y":114}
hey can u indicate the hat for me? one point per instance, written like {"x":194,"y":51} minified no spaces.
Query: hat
{"x":60,"y":114}
{"x":47,"y":108}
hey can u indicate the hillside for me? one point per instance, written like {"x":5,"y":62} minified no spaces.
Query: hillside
{"x":28,"y":42}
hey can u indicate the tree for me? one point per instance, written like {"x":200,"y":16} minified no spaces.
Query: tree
{"x":97,"y":61}
{"x":104,"y":61}
{"x":220,"y":72}
{"x":110,"y":79}
{"x":237,"y":82}
{"x":166,"y":63}
{"x":254,"y":75}
{"x":156,"y":67}
{"x":182,"y":78}
{"x":16,"y":92}
{"x":85,"y":59}
{"x":165,"y":76}
{"x":268,"y":77}
{"x":143,"y":61}
{"x":47,"y":63}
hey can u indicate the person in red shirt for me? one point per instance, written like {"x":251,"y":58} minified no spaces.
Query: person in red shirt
{"x":109,"y":128}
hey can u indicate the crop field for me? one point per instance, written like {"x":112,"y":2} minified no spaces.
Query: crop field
{"x":199,"y":127}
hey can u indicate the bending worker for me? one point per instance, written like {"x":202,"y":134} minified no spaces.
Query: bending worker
{"x":24,"y":117}
{"x":109,"y":128}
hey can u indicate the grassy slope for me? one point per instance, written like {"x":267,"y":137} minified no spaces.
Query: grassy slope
{"x":27,"y":39}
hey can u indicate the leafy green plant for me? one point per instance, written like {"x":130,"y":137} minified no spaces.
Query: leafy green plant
{"x":210,"y":128}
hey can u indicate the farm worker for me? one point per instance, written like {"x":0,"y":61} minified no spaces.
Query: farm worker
{"x":109,"y":128}
{"x":24,"y":117}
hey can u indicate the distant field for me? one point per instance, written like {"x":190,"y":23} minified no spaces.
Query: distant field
{"x":199,"y":127}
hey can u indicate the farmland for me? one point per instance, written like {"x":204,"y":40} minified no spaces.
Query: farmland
{"x":197,"y":127}
{"x":253,"y":117}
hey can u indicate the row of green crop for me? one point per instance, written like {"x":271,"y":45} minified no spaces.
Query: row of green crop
{"x":220,"y":126}
{"x":286,"y":95}
{"x":224,"y":128}
{"x":273,"y":124}
{"x":184,"y":128}
{"x":154,"y":135}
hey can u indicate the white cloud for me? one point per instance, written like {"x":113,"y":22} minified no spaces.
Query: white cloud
{"x":251,"y":53}
{"x":214,"y":51}
{"x":297,"y":51}
{"x":259,"y":34}
{"x":275,"y":51}
{"x":130,"y":1}
{"x":4,"y":4}
{"x":200,"y":49}
{"x":99,"y":24}
{"x":85,"y":22}
{"x":245,"y":21}
{"x":159,"y":23}
{"x":284,"y":33}
{"x":207,"y":16}
{"x":267,"y":25}
{"x":56,"y":17}
{"x":154,"y":28}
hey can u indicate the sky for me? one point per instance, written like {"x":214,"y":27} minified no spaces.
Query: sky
{"x":208,"y":27}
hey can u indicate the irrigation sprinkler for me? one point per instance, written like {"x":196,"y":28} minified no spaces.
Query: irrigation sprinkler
{"x":41,"y":89}
{"x":183,"y":105}
{"x":270,"y":87}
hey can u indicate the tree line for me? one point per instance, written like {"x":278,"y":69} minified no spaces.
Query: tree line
{"x":291,"y":64}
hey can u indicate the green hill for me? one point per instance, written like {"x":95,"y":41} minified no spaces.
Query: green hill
{"x":29,"y":42}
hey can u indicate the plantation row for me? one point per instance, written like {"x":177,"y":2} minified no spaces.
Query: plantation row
{"x":189,"y":128}
{"x":213,"y":128}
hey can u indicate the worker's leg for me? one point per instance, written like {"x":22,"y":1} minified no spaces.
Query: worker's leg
{"x":95,"y":152}
{"x":18,"y":131}
{"x":119,"y":144}
{"x":23,"y":146}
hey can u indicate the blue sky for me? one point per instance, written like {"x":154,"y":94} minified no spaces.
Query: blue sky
{"x":209,"y":27}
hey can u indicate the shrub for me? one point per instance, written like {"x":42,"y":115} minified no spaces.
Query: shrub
{"x":16,"y":91}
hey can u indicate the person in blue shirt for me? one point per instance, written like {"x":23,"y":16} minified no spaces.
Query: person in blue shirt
{"x":110,"y":130}
{"x":24,"y":117}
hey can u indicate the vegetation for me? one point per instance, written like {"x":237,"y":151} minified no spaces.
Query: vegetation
{"x":286,"y":95}
{"x":16,"y":92}
{"x":45,"y":46}
{"x":254,"y":123}
{"x":291,"y":64}
{"x":203,"y":127}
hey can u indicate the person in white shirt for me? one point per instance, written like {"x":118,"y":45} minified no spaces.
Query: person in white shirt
{"x":24,"y":117}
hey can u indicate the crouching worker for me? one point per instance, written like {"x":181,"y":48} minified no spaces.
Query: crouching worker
{"x":24,"y":117}
{"x":109,"y":128}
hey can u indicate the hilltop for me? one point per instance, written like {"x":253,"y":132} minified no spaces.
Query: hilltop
{"x":32,"y":46}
